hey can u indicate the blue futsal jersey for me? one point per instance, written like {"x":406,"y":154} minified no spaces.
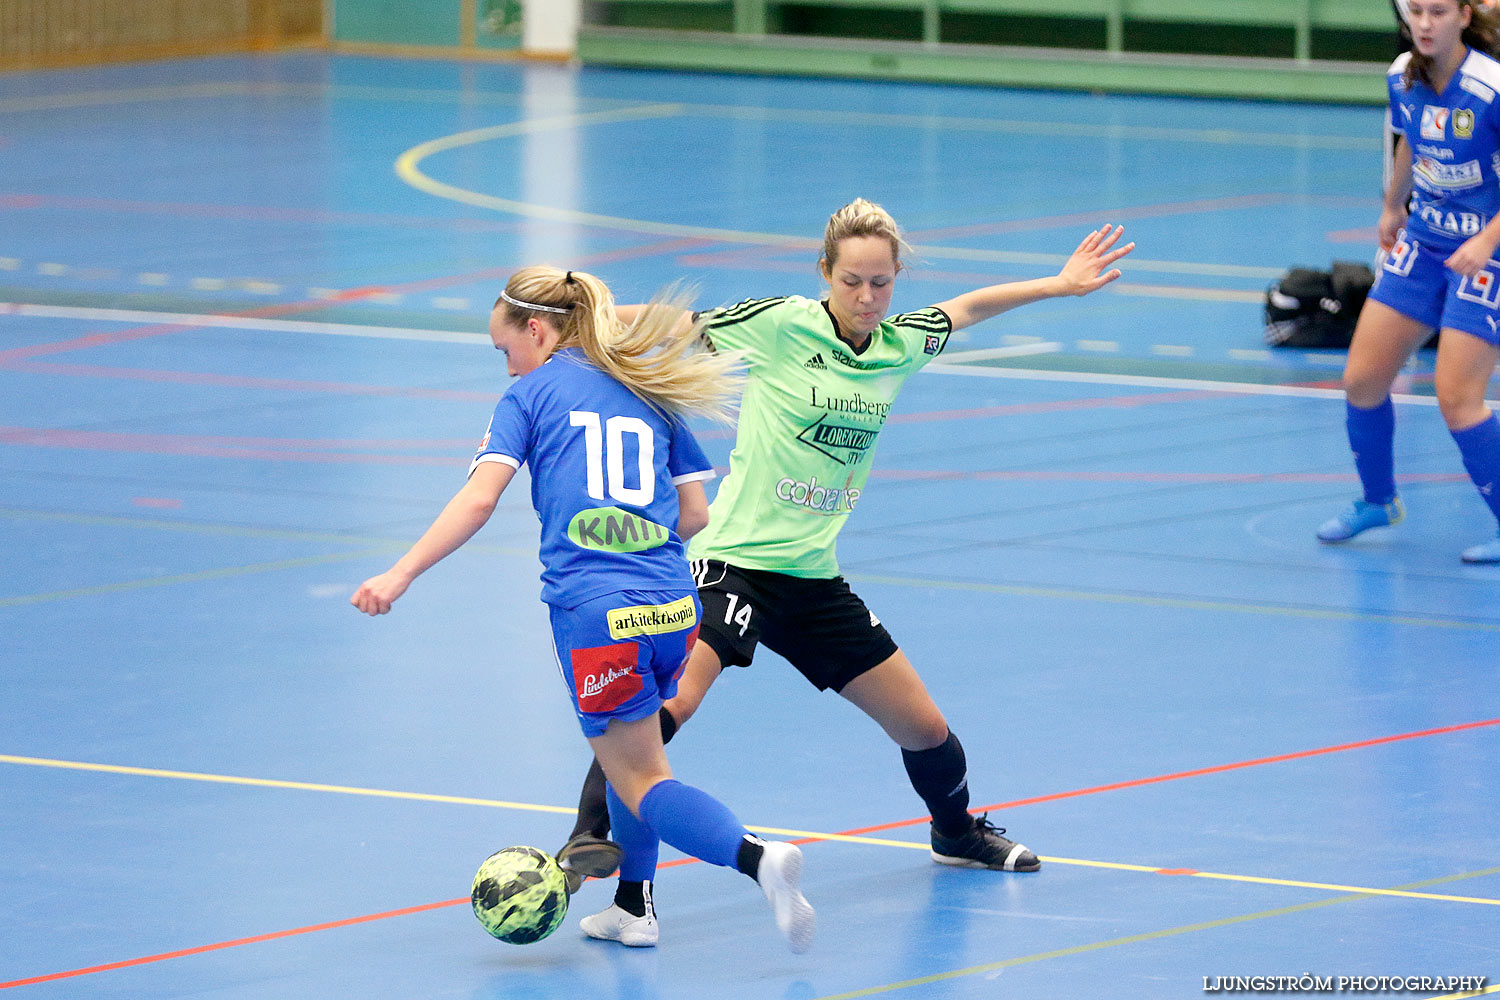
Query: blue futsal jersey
{"x":1454,"y":139}
{"x":604,"y":472}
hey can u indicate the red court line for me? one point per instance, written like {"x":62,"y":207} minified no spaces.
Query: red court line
{"x":211,"y":447}
{"x":248,"y":381}
{"x":1113,"y":216}
{"x":1054,"y":406}
{"x":1071,"y":476}
{"x":257,"y":939}
{"x":253,"y":213}
{"x":1016,"y":803}
{"x":348,"y":295}
{"x":1196,"y":773}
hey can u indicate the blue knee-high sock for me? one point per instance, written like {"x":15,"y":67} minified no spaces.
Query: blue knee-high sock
{"x":1372,"y":435}
{"x":1480,"y":447}
{"x":694,"y":822}
{"x":636,"y":838}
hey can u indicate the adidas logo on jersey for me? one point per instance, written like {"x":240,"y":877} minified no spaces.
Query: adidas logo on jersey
{"x":816,"y":361}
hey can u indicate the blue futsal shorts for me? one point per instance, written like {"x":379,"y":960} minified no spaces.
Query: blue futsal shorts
{"x":1413,"y":281}
{"x":621,"y":654}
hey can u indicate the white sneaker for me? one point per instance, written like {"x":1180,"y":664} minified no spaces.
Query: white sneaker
{"x":779,"y":875}
{"x":617,"y":924}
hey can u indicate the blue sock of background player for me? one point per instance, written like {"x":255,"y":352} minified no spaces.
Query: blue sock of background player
{"x":1480,"y":447}
{"x":1371,"y":437}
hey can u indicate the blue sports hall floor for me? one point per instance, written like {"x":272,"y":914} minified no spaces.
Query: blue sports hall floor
{"x":242,"y":366}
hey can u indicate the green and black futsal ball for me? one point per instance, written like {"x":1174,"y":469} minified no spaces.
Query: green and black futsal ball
{"x":520,"y":895}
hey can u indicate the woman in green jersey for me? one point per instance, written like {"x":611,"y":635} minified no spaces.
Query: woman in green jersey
{"x":821,"y":379}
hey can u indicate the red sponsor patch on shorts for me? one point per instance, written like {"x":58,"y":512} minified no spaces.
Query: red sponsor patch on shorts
{"x":605,"y":677}
{"x":692,"y":640}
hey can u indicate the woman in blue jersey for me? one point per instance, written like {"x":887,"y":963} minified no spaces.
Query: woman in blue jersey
{"x":1440,"y":227}
{"x":617,"y":481}
{"x":821,"y":379}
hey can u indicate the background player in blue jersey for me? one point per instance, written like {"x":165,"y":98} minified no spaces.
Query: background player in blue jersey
{"x":1439,"y":227}
{"x":617,"y":481}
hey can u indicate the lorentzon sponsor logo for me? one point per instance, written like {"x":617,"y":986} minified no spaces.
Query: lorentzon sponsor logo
{"x":839,"y":442}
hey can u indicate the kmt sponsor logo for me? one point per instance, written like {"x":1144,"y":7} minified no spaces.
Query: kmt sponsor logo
{"x":610,"y":529}
{"x":604,"y":677}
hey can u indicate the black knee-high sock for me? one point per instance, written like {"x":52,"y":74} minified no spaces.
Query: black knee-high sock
{"x":941,"y":776}
{"x":593,"y":814}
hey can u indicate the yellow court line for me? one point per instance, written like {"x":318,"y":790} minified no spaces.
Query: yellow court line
{"x":776,"y":831}
{"x":208,"y":574}
{"x":1106,"y":597}
{"x":1207,"y":925}
{"x":1159,"y":869}
{"x":304,"y":786}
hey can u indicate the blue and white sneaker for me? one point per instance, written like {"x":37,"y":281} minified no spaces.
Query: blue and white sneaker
{"x":1360,"y":517}
{"x":1485,"y":552}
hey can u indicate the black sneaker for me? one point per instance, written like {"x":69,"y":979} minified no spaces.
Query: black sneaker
{"x":983,"y":846}
{"x":588,"y":856}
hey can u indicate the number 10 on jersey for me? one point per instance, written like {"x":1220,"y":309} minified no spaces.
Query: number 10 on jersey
{"x":604,"y":450}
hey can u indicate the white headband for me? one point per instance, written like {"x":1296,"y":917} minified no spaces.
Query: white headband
{"x":533,"y":305}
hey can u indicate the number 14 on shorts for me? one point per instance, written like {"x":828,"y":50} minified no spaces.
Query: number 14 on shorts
{"x":739,"y":617}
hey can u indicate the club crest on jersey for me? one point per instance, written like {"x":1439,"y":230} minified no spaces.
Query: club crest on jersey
{"x":1435,"y":122}
{"x":1463,"y":123}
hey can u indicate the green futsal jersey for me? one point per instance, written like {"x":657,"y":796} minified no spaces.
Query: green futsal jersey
{"x":812,"y":409}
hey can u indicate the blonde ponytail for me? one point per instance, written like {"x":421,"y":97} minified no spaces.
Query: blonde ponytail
{"x":659,"y":358}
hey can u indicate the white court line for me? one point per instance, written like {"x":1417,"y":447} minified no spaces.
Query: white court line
{"x":1159,"y":382}
{"x":944,"y":367}
{"x":238,"y":323}
{"x":1013,"y":351}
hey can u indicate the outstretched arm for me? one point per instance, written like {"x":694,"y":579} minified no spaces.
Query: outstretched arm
{"x":1086,"y":271}
{"x":629,"y":314}
{"x":465,"y":514}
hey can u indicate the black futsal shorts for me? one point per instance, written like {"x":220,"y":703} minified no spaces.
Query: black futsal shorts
{"x":819,"y":626}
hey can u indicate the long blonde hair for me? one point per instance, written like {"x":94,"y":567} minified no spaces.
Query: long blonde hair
{"x":1483,"y":34}
{"x":659,"y":358}
{"x":860,"y":218}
